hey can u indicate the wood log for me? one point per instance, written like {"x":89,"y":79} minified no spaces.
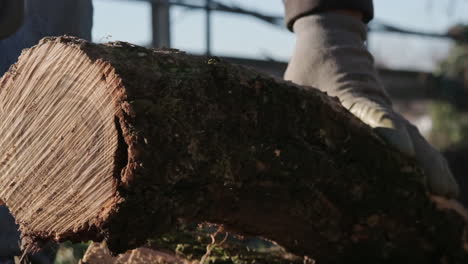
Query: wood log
{"x":118,"y":142}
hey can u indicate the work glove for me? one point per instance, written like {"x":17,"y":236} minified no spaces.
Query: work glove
{"x":331,"y":55}
{"x":11,"y":17}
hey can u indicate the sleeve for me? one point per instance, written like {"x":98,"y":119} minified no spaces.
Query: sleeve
{"x":295,"y":9}
{"x":9,"y":235}
{"x":11,"y":16}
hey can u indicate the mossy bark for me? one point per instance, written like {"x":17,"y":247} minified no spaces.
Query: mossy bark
{"x":207,"y":141}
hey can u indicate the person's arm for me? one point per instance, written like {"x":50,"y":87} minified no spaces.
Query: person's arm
{"x":11,"y":17}
{"x":44,"y":18}
{"x":295,"y":9}
{"x":331,"y":55}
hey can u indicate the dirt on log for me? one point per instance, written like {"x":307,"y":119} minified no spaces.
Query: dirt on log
{"x":117,"y":142}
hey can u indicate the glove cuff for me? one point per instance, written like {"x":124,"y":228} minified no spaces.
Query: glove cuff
{"x":295,"y":9}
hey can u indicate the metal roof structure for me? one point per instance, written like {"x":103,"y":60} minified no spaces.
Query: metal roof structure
{"x":161,"y":20}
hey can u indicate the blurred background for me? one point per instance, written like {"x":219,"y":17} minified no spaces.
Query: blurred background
{"x":254,"y":29}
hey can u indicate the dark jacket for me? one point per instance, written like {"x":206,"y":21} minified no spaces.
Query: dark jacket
{"x":46,"y":18}
{"x":295,"y":9}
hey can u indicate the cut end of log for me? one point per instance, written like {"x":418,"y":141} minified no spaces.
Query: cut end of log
{"x":59,"y":140}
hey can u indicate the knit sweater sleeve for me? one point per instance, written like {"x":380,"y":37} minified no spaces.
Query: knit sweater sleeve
{"x":295,"y":9}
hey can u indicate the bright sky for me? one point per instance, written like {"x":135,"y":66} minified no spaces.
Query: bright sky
{"x":242,"y":36}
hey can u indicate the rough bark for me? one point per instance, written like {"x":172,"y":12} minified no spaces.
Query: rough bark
{"x":117,"y":141}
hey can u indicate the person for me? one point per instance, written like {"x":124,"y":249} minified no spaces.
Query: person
{"x":41,"y":18}
{"x":330,"y":54}
{"x":11,"y":17}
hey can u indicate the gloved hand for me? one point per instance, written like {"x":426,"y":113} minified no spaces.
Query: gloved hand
{"x":11,"y":16}
{"x":330,"y":54}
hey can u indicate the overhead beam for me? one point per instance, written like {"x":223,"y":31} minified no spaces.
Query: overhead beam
{"x":160,"y":20}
